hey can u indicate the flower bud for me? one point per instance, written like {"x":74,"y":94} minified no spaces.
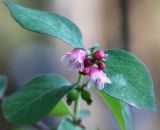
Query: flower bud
{"x":69,"y":102}
{"x":101,"y":65}
{"x":99,"y":55}
{"x":72,"y":96}
{"x":86,"y":96}
{"x":87,"y":62}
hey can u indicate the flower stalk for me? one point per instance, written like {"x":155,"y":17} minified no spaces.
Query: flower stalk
{"x":77,"y":107}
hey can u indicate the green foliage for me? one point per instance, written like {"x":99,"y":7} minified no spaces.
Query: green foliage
{"x":130,"y":79}
{"x":119,"y":110}
{"x":3,"y":85}
{"x":61,"y":109}
{"x":66,"y":124}
{"x":23,"y":128}
{"x":35,"y":100}
{"x":47,"y":23}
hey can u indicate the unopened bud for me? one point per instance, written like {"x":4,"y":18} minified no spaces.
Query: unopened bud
{"x":101,"y":65}
{"x":86,"y":96}
{"x":99,"y":55}
{"x":87,"y":62}
{"x":72,"y":96}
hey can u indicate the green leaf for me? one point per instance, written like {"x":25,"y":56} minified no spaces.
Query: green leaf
{"x":131,"y":81}
{"x":83,"y":114}
{"x":35,"y":100}
{"x":3,"y":85}
{"x":47,"y":23}
{"x":61,"y":109}
{"x":23,"y":128}
{"x":66,"y":124}
{"x":119,"y":109}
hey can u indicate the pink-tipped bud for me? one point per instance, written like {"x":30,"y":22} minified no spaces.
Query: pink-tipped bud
{"x":87,"y":62}
{"x":86,"y":71}
{"x":101,"y":65}
{"x":99,"y":55}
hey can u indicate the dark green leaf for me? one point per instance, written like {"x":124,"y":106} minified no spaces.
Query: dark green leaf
{"x":3,"y":85}
{"x":66,"y":124}
{"x":35,"y":100}
{"x":61,"y":109}
{"x":47,"y":23}
{"x":131,"y":81}
{"x":119,"y":110}
{"x":23,"y":128}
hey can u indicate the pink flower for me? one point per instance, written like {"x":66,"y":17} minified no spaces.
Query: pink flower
{"x":75,"y":59}
{"x":98,"y":78}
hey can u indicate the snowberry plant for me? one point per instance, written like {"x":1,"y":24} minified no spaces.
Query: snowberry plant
{"x":118,"y":77}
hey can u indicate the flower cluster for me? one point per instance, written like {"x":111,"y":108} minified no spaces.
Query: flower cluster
{"x":90,"y":64}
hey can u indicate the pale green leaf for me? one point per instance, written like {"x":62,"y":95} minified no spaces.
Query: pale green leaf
{"x":61,"y":109}
{"x":119,"y":109}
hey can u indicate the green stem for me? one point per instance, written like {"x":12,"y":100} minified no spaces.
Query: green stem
{"x":77,"y":101}
{"x":77,"y":107}
{"x":79,"y":78}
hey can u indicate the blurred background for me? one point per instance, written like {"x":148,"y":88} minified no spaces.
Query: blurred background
{"x":133,"y":25}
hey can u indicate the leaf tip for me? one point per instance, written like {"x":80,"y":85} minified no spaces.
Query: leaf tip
{"x":6,"y":3}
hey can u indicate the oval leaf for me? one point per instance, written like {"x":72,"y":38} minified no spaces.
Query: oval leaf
{"x":119,"y":109}
{"x":3,"y":85}
{"x":66,"y":124}
{"x":131,"y":81}
{"x":47,"y":23}
{"x":35,"y":100}
{"x":61,"y":109}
